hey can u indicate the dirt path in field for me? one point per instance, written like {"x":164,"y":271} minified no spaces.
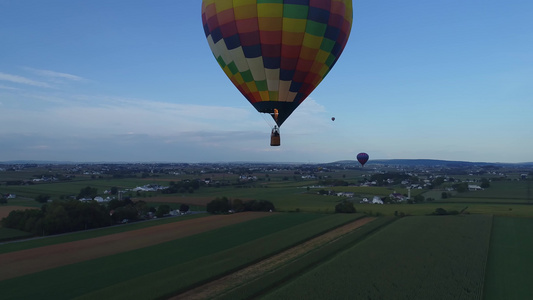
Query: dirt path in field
{"x":215,"y":288}
{"x":29,"y":261}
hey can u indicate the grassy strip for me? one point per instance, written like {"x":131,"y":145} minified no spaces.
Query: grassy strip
{"x":300,"y":265}
{"x":507,"y":210}
{"x":486,"y":260}
{"x":175,"y":205}
{"x":167,"y":268}
{"x":7,"y":234}
{"x":408,"y":209}
{"x":88,"y":234}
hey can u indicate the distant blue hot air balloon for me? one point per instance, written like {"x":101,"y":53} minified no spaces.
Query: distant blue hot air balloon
{"x":362,"y":158}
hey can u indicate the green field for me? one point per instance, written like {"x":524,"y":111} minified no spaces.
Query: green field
{"x":499,"y":192}
{"x":414,"y":258}
{"x":172,"y":266}
{"x":510,"y":259}
{"x":300,"y":265}
{"x":7,"y":234}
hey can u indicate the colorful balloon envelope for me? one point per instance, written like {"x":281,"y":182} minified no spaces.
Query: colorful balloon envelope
{"x":362,"y":158}
{"x":276,"y":52}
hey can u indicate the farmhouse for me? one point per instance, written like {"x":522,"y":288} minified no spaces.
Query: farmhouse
{"x":345,"y":194}
{"x":397,"y":197}
{"x":377,"y":200}
{"x":148,"y":188}
{"x":472,"y":187}
{"x":247,"y":178}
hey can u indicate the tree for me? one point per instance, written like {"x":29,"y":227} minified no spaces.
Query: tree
{"x":29,"y":220}
{"x":485,"y":183}
{"x":112,"y":204}
{"x":114,"y":190}
{"x":125,"y":212}
{"x":218,"y":206}
{"x":345,"y":207}
{"x":56,"y":220}
{"x":88,"y":192}
{"x":238,"y":205}
{"x":162,"y":210}
{"x":440,"y":211}
{"x":258,"y":205}
{"x":444,"y":195}
{"x":3,"y":200}
{"x":141,"y":207}
{"x":419,"y":199}
{"x":438,"y":181}
{"x":42,"y":198}
{"x":461,"y":187}
{"x":184,"y":208}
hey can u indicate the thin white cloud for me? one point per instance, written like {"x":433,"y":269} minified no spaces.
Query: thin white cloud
{"x":100,"y":117}
{"x":101,"y":127}
{"x":22,"y":80}
{"x":94,"y":116}
{"x":54,"y":76}
{"x":39,"y":147}
{"x":5,"y":87}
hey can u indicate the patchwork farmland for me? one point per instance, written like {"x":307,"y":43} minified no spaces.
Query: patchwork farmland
{"x":476,"y":247}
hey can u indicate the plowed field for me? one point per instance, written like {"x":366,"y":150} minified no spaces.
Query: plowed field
{"x":29,"y":261}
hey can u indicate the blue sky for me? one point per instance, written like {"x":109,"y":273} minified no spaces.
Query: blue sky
{"x":116,"y":80}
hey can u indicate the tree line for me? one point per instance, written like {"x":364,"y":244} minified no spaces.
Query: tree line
{"x":224,"y":205}
{"x":182,"y":186}
{"x":61,"y":216}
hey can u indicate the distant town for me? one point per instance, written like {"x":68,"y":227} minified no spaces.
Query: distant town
{"x":409,"y":174}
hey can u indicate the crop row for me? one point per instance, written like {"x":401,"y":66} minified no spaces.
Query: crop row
{"x":510,"y":262}
{"x":174,"y":266}
{"x":303,"y":264}
{"x":415,"y":258}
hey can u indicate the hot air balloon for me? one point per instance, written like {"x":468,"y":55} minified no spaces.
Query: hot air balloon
{"x":332,"y":118}
{"x":276,"y":52}
{"x":362,"y":158}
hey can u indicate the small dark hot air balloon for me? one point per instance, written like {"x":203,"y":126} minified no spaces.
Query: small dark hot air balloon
{"x":276,"y":52}
{"x":362,"y":158}
{"x":332,"y":118}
